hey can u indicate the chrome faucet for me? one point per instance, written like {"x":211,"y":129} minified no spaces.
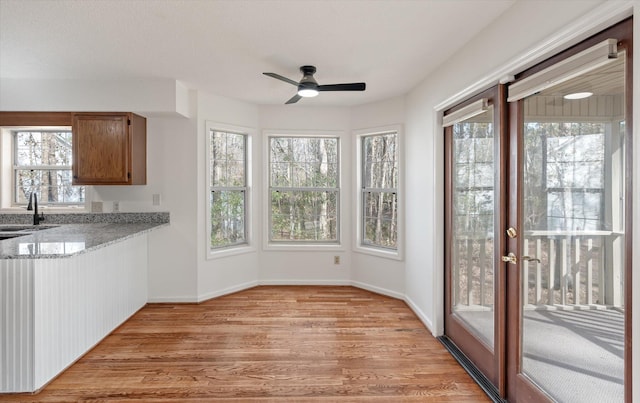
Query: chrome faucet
{"x":33,"y":205}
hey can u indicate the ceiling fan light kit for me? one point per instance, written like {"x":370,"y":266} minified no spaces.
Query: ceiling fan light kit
{"x":307,"y":92}
{"x":308,"y":86}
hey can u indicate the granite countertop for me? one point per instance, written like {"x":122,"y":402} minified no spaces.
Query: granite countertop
{"x":66,"y":240}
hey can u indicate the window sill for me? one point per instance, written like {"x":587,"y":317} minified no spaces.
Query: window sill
{"x":229,"y":251}
{"x":319,"y":247}
{"x":379,"y":252}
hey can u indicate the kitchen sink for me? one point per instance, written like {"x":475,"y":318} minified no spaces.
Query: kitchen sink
{"x":26,"y":228}
{"x":9,"y":236}
{"x":8,"y":231}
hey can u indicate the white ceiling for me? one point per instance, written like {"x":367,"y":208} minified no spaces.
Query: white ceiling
{"x":222,"y":47}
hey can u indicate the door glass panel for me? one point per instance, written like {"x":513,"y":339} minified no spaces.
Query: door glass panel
{"x":573,"y":235}
{"x":473,"y":223}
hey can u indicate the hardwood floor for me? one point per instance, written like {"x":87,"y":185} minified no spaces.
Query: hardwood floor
{"x":268,"y":344}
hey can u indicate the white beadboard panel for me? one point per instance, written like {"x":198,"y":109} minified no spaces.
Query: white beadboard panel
{"x":553,"y":108}
{"x":16,"y":320}
{"x":74,"y":303}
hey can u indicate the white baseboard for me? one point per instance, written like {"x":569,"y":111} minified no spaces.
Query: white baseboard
{"x":240,"y":287}
{"x":305,"y":282}
{"x":378,"y":290}
{"x":226,"y":291}
{"x":423,"y":318}
{"x":172,"y":300}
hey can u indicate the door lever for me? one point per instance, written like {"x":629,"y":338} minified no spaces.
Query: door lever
{"x":531,"y":259}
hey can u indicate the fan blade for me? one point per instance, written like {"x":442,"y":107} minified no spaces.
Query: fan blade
{"x":342,"y":87}
{"x":293,"y":99}
{"x":279,"y":77}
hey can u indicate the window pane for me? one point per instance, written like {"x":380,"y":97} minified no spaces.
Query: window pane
{"x":304,"y":215}
{"x":280,"y":149}
{"x":380,"y":208}
{"x":43,"y":148}
{"x":565,"y":173}
{"x":304,"y":162}
{"x":51,"y":186}
{"x":36,"y":152}
{"x":227,"y":218}
{"x":380,"y":162}
{"x":228,"y":185}
{"x":297,"y":163}
{"x":475,"y":210}
{"x":280,"y":174}
{"x":227,"y":159}
{"x":380,"y":219}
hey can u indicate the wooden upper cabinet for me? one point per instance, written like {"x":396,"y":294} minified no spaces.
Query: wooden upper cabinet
{"x":109,"y":149}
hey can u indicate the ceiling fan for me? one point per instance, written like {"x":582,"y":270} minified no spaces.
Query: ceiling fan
{"x":309,"y":87}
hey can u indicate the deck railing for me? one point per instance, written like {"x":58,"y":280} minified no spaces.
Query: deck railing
{"x":575,"y":270}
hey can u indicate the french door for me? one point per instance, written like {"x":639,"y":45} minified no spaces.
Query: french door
{"x":475,"y":210}
{"x":538,"y":227}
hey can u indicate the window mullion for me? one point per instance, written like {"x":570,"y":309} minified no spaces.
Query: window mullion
{"x":380,"y":190}
{"x":42,"y":167}
{"x":303,"y":189}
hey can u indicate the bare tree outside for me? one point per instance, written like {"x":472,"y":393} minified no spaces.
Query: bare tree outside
{"x":228,"y":188}
{"x":42,"y":165}
{"x":304,"y":188}
{"x":474,"y":211}
{"x":380,"y":190}
{"x":565,"y":177}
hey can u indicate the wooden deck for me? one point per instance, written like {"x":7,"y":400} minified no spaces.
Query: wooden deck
{"x":288,"y":343}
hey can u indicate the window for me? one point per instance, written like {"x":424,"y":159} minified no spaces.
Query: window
{"x":42,"y":165}
{"x":567,"y":179}
{"x":379,"y":190}
{"x":228,"y":188}
{"x":304,"y":189}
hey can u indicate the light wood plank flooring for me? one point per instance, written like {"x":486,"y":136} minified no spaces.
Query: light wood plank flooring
{"x":269,"y":343}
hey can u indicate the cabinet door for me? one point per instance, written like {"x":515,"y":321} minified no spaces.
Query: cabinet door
{"x":101,"y":149}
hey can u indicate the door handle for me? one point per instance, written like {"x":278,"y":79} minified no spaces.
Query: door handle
{"x":510,"y":258}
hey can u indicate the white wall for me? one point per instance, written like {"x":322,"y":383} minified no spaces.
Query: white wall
{"x":375,"y":273}
{"x":220,"y":276}
{"x":144,"y":96}
{"x":292,"y":265}
{"x":171,"y":172}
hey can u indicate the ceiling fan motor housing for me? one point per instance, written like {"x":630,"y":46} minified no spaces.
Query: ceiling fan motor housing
{"x":307,"y":81}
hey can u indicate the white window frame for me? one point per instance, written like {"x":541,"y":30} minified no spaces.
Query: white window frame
{"x":302,"y":245}
{"x":358,"y":241}
{"x":7,"y":174}
{"x":247,"y":246}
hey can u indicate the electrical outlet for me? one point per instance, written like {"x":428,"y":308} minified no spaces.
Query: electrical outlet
{"x":96,"y":207}
{"x":116,"y":206}
{"x":336,"y":260}
{"x":156,"y":199}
